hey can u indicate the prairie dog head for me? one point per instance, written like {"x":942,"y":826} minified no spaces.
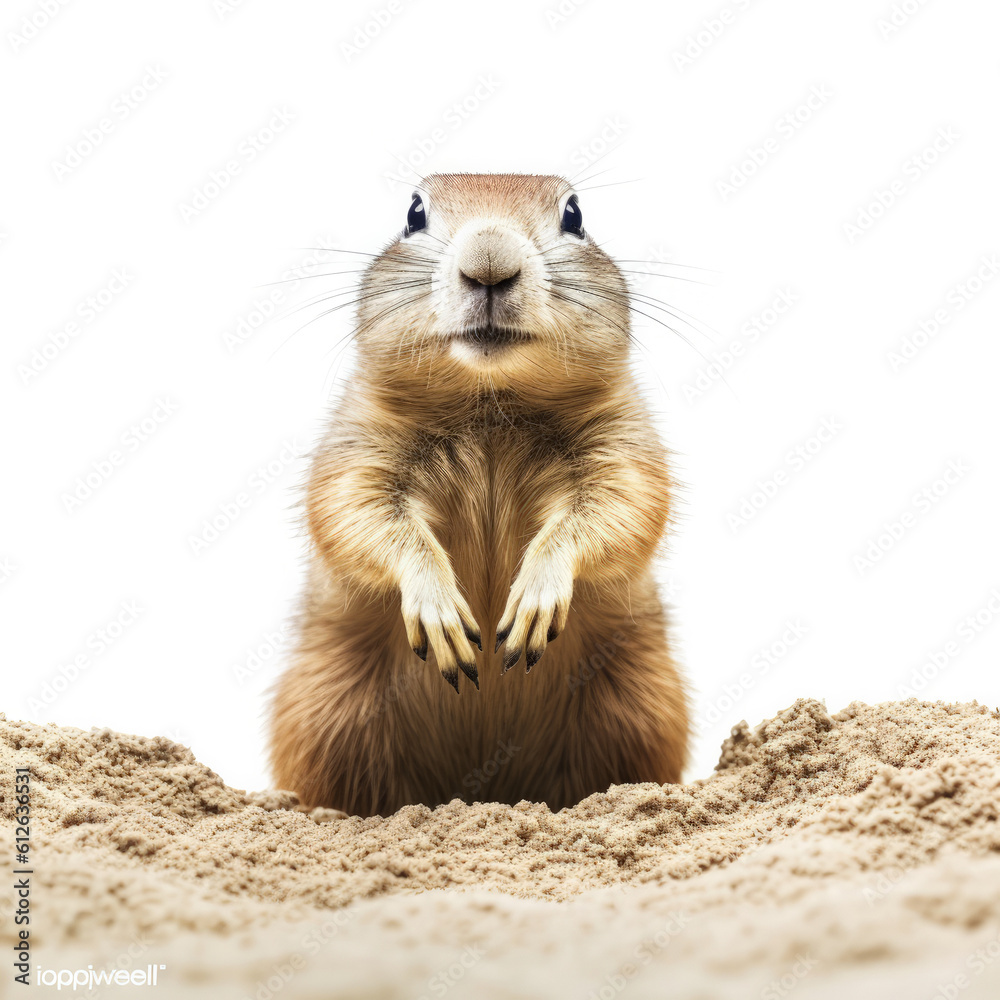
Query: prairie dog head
{"x":494,"y":277}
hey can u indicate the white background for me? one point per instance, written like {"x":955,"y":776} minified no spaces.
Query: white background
{"x":596,"y":90}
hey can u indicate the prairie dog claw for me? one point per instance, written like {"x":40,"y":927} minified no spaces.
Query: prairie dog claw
{"x":536,"y":612}
{"x":438,"y":619}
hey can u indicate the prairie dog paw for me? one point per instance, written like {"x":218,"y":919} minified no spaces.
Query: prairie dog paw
{"x":536,"y":611}
{"x":437,"y":617}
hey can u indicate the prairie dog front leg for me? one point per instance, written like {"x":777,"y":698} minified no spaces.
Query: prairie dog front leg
{"x":367,"y":529}
{"x":608,"y":525}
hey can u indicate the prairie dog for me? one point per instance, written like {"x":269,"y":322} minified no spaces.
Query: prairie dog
{"x":489,"y":495}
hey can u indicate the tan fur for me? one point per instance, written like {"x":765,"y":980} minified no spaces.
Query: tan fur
{"x":467,"y":485}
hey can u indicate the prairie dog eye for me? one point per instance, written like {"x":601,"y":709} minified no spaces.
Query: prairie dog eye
{"x":572,"y":217}
{"x":416,"y":217}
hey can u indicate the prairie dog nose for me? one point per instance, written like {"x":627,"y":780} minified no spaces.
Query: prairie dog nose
{"x":490,"y":255}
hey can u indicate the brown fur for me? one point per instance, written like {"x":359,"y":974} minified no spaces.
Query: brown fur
{"x":460,"y":488}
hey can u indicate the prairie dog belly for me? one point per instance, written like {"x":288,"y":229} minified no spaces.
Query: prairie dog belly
{"x":524,"y":728}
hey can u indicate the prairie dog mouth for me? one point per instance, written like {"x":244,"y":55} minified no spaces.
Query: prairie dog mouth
{"x":492,"y":336}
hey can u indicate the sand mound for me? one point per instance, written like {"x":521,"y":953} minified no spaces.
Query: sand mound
{"x":855,"y":854}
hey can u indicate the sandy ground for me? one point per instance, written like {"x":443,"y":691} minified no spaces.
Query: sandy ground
{"x":853,"y":855}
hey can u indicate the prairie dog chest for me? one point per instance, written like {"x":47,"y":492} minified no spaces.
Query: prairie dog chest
{"x":493,"y":476}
